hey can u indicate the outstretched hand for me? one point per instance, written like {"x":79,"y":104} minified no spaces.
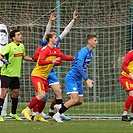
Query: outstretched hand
{"x":89,"y":83}
{"x":53,"y":16}
{"x":75,"y":15}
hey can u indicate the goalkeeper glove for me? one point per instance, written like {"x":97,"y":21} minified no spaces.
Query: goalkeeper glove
{"x":5,"y":61}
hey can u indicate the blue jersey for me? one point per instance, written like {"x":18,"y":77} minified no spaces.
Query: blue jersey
{"x":80,"y":63}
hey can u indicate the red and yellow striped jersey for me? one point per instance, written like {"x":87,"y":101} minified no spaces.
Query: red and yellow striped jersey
{"x":127,"y":65}
{"x":44,"y":62}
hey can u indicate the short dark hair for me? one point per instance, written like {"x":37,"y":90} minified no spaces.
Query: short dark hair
{"x":12,"y":33}
{"x":90,"y":36}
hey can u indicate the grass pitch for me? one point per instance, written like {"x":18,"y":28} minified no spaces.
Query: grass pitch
{"x":73,"y":126}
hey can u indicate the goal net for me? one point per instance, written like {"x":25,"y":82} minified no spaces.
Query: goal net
{"x":110,"y":20}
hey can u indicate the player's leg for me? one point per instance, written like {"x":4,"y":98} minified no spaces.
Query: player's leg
{"x":58,"y":94}
{"x":14,"y":86}
{"x":38,"y":116}
{"x":55,"y":86}
{"x":41,"y":105}
{"x":80,"y":93}
{"x":51,"y":110}
{"x":74,"y":98}
{"x":35,"y":100}
{"x":35,"y":109}
{"x":41,"y":87}
{"x":126,"y":82}
{"x":45,"y":116}
{"x":131,"y":115}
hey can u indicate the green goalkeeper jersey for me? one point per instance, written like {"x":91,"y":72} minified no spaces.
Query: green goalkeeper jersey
{"x":14,"y":54}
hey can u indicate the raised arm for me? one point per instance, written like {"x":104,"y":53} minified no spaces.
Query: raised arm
{"x":48,"y":27}
{"x":69,"y":26}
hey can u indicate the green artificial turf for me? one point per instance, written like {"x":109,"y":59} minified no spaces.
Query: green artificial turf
{"x":73,"y":126}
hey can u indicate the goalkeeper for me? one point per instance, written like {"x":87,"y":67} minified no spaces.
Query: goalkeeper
{"x":52,"y":78}
{"x":12,"y":55}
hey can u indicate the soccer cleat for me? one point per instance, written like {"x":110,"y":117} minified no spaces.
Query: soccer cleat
{"x":32,"y":117}
{"x":131,"y":118}
{"x":1,"y":118}
{"x":40,"y":118}
{"x":26,"y":114}
{"x":51,"y":113}
{"x":63,"y":117}
{"x":45,"y":116}
{"x":15,"y":116}
{"x":57,"y":118}
{"x":125,"y":118}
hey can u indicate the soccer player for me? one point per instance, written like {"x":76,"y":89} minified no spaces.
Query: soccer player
{"x":3,"y":42}
{"x":74,"y":77}
{"x":48,"y":57}
{"x":52,"y":78}
{"x":12,"y":55}
{"x":126,"y":79}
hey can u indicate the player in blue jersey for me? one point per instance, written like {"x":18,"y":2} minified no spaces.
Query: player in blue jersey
{"x":52,"y":78}
{"x":74,"y":77}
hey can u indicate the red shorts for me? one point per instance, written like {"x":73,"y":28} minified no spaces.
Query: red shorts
{"x":127,"y":83}
{"x":39,"y":84}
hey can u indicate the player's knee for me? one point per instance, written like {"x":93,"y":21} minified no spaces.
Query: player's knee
{"x":74,"y":101}
{"x":15,"y":93}
{"x":41,"y":95}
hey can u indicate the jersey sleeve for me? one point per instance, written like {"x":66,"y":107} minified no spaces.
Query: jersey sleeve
{"x":81,"y":70}
{"x":80,"y":62}
{"x":124,"y":67}
{"x":63,"y":56}
{"x":67,"y":57}
{"x":67,"y":29}
{"x":36,"y":54}
{"x":128,"y":58}
{"x":42,"y":56}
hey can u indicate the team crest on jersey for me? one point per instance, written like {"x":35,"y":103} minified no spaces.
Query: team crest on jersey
{"x":74,"y":88}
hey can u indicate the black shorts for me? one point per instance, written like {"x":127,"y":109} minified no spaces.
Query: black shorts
{"x":10,"y":82}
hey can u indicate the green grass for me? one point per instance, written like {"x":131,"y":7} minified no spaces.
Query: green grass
{"x":73,"y":126}
{"x":87,"y":108}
